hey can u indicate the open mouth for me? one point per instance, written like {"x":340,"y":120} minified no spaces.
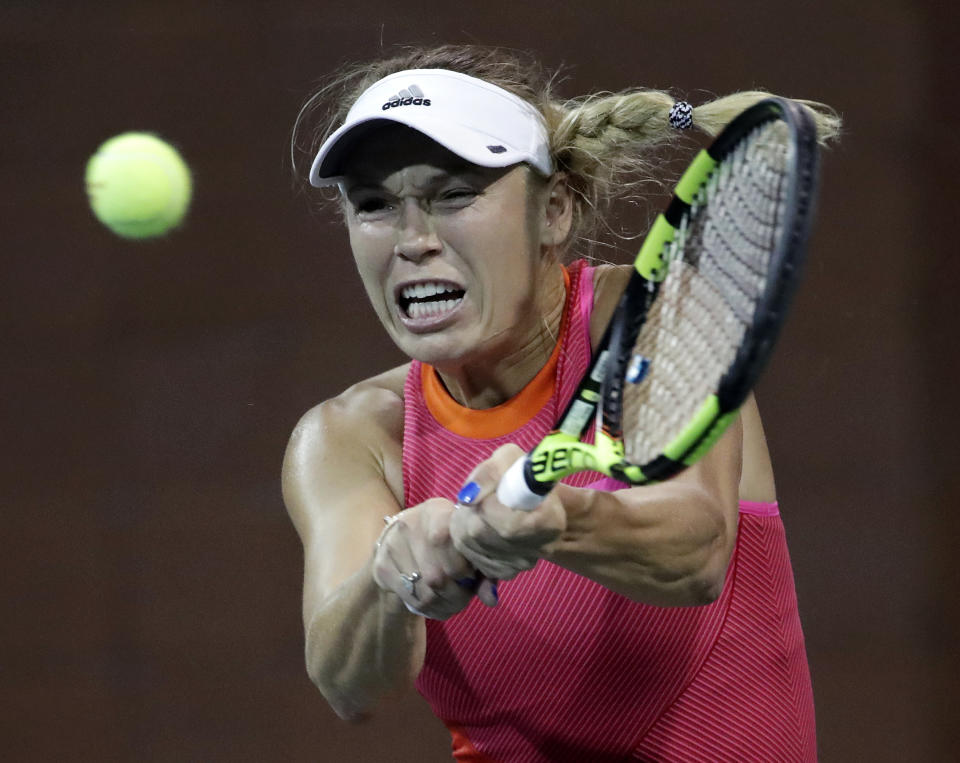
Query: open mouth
{"x":429,"y":299}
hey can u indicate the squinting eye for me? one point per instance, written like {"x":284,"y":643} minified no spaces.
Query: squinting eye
{"x":458,"y":195}
{"x":371,"y":206}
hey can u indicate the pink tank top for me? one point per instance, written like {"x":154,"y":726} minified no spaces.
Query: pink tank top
{"x":564,"y":669}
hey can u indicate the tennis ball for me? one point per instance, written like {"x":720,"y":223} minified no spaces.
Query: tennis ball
{"x":139,"y":186}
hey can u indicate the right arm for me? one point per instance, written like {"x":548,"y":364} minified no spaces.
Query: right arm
{"x":341,"y":477}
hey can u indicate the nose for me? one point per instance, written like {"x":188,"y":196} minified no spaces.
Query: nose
{"x":416,"y":236}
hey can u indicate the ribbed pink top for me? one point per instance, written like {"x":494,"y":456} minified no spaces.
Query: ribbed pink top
{"x":564,"y":669}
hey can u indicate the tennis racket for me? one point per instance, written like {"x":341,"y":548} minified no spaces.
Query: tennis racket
{"x":700,"y":315}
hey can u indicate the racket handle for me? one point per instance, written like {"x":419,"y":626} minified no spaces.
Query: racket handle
{"x":514,"y":491}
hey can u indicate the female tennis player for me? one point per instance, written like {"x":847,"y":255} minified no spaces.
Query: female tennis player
{"x":611,"y":622}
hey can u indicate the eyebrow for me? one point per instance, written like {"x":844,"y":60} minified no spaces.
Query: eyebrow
{"x":433,"y":180}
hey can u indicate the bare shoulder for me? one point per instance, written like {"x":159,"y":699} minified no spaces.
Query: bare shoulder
{"x":610,"y":276}
{"x":377,"y":401}
{"x":353,"y":438}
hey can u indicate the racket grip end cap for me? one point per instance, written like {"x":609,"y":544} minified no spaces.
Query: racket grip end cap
{"x":513,"y":490}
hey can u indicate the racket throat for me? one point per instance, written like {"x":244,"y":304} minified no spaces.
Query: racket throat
{"x":562,"y":454}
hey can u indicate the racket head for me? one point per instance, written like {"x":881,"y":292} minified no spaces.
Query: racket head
{"x":712,"y":285}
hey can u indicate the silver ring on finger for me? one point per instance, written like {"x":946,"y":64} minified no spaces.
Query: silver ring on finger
{"x":410,"y":581}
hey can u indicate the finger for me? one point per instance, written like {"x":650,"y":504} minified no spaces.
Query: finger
{"x":416,"y":611}
{"x":398,"y":570}
{"x":496,"y":566}
{"x":465,"y":529}
{"x":442,"y":601}
{"x":488,"y":593}
{"x":453,"y":563}
{"x":452,"y":597}
{"x":440,"y":566}
{"x":499,"y":531}
{"x":488,"y":551}
{"x":493,"y":569}
{"x":470,"y":582}
{"x":483,"y":480}
{"x":429,"y":561}
{"x":438,"y":610}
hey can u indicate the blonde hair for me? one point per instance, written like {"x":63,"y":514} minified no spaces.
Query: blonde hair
{"x":606,"y":144}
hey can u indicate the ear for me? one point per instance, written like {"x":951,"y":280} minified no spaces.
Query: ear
{"x":557,"y":210}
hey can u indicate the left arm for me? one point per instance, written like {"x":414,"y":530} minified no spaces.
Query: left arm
{"x":666,"y":544}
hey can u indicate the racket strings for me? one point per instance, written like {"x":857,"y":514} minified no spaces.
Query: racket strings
{"x":716,"y":276}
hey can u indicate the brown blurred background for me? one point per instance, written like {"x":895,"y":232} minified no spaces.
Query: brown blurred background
{"x":150,"y":577}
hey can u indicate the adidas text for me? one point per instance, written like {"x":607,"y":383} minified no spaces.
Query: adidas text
{"x":408,"y":96}
{"x":406,"y":102}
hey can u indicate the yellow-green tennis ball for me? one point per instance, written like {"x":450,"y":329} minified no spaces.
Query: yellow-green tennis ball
{"x":139,"y":186}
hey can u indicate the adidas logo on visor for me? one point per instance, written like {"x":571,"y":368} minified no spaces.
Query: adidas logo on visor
{"x":409,"y":96}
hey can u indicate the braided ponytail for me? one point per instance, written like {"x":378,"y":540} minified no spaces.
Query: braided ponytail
{"x":607,"y":143}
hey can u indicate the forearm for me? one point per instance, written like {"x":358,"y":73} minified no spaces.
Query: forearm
{"x":362,"y":643}
{"x":666,"y":544}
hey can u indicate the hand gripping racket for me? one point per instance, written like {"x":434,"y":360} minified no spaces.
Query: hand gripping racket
{"x":699,"y":316}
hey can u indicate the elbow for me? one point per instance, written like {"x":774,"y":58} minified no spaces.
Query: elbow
{"x":349,"y":712}
{"x":704,"y":590}
{"x":705,"y":576}
{"x":706,"y":579}
{"x":707,"y":573}
{"x":347,"y":705}
{"x":696,"y":581}
{"x":690,"y":588}
{"x":679,"y":589}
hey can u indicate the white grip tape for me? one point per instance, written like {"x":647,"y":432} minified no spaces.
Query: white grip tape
{"x":513,"y":491}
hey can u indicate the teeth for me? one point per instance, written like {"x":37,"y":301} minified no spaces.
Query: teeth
{"x":421,"y":290}
{"x":424,"y":309}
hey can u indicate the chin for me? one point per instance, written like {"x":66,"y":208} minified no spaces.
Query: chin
{"x":437,"y":350}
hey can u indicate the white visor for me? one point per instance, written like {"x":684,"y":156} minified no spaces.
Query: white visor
{"x":477,"y":121}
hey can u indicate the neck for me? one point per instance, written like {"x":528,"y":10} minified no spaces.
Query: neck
{"x":488,"y":382}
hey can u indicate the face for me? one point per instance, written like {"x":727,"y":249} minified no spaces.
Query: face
{"x":450,"y":253}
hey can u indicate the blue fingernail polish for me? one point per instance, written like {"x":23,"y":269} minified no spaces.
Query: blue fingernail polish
{"x":468,"y":583}
{"x":496,"y":596}
{"x":468,"y":493}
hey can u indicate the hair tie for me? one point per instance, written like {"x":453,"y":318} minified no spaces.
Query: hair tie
{"x":681,"y":115}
